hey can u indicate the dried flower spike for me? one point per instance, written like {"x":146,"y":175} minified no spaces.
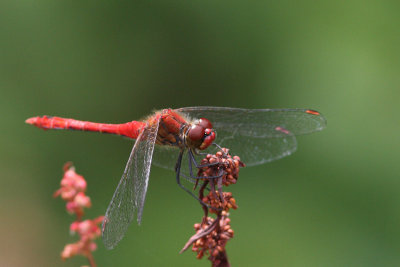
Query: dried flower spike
{"x":212,"y":234}
{"x":72,"y":190}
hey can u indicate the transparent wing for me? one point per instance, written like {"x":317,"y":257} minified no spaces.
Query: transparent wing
{"x":258,"y":135}
{"x":131,"y":191}
{"x":252,"y":151}
{"x":167,"y":156}
{"x":259,"y":122}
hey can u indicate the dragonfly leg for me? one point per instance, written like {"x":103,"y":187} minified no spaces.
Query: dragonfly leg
{"x":192,"y":160}
{"x":188,"y":178}
{"x":219,"y":147}
{"x":178,"y":180}
{"x":191,"y":157}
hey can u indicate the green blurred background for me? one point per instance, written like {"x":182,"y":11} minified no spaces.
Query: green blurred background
{"x":335,"y":202}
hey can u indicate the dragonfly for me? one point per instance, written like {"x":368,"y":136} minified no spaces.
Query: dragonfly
{"x":172,"y":136}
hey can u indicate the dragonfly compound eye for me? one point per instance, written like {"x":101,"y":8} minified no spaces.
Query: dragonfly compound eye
{"x":205,"y":123}
{"x":208,"y":139}
{"x":196,"y":132}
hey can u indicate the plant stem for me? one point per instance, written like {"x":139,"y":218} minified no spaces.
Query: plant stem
{"x":91,"y":260}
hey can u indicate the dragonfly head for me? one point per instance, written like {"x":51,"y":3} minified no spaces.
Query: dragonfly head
{"x":200,"y":134}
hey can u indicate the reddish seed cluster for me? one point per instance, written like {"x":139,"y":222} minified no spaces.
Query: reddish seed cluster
{"x":212,"y":234}
{"x":213,"y":199}
{"x":88,"y":231}
{"x":213,"y":243}
{"x":72,"y":190}
{"x":222,"y":162}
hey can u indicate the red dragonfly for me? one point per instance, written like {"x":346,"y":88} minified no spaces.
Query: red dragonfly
{"x":173,"y":135}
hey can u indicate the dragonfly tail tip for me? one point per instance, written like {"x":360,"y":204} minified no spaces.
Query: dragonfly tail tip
{"x":32,"y":120}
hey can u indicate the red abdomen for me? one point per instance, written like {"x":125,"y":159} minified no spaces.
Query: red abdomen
{"x":129,"y":129}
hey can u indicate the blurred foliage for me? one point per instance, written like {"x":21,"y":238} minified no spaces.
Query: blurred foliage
{"x":335,"y":202}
